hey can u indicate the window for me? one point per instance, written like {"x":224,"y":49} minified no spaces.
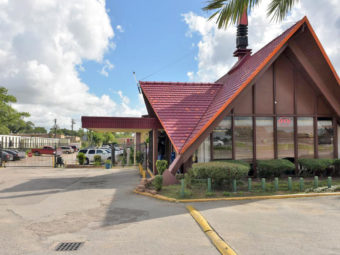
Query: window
{"x":285,"y":137}
{"x":222,"y":140}
{"x":264,"y":138}
{"x":243,"y":137}
{"x":83,"y":151}
{"x":203,"y":151}
{"x":305,"y":136}
{"x":92,"y":151}
{"x":325,"y":138}
{"x":99,"y":152}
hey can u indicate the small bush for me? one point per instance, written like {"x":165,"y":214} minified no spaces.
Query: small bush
{"x":314,"y":167}
{"x":158,"y":182}
{"x":139,"y":157}
{"x":337,"y":166}
{"x":161,"y":165}
{"x":81,"y":158}
{"x":107,"y":161}
{"x":209,"y":194}
{"x":97,"y":160}
{"x":220,"y":171}
{"x":226,"y":194}
{"x":273,"y":167}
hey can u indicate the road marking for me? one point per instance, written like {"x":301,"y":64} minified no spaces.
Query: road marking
{"x":219,"y":243}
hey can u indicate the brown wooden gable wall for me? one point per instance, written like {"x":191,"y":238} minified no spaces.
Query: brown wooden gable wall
{"x":288,"y":80}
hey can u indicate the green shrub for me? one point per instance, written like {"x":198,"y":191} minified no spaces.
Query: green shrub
{"x":226,"y":194}
{"x":81,"y":158}
{"x":314,"y":167}
{"x":97,"y":160}
{"x":139,"y":157}
{"x":220,"y":171}
{"x":273,"y":167}
{"x":337,"y":166}
{"x":107,"y":161}
{"x":124,"y":158}
{"x":161,"y":165}
{"x":158,"y":182}
{"x":209,"y":194}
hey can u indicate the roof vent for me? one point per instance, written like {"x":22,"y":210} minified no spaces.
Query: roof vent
{"x":242,"y":37}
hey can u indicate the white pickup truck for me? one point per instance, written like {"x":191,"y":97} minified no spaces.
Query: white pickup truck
{"x":90,"y":153}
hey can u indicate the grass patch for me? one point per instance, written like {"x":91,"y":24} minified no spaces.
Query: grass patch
{"x":199,"y":189}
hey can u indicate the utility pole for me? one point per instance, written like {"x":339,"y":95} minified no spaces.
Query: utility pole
{"x":55,"y":128}
{"x":72,"y":123}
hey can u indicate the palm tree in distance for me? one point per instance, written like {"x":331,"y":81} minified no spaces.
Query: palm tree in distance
{"x":229,"y":12}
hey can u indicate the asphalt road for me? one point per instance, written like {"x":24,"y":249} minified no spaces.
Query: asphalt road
{"x":41,"y":207}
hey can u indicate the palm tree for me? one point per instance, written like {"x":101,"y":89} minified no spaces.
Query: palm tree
{"x":230,"y":11}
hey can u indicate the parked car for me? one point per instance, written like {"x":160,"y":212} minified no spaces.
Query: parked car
{"x":75,"y":148}
{"x":5,"y":156}
{"x":13,"y":153}
{"x":90,"y":153}
{"x":66,"y":149}
{"x":48,"y":150}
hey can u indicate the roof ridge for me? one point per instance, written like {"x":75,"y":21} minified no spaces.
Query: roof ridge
{"x":179,"y":83}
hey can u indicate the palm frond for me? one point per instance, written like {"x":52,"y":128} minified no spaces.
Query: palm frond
{"x":279,"y":9}
{"x":229,"y":11}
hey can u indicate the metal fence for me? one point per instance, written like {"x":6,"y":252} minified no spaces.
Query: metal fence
{"x":34,"y":155}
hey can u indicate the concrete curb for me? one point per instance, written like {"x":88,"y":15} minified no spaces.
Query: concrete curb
{"x":221,"y":245}
{"x":164,"y":198}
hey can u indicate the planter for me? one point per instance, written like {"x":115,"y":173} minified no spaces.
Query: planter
{"x":107,"y":166}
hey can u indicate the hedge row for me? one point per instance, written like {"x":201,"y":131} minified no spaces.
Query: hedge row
{"x":274,"y":167}
{"x":220,"y":171}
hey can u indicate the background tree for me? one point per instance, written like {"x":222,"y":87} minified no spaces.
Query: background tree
{"x":228,"y":12}
{"x":11,"y":121}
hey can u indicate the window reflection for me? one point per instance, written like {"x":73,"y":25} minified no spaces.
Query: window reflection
{"x":243,"y":137}
{"x":285,"y":137}
{"x":325,"y":138}
{"x":264,"y":138}
{"x":222,"y":140}
{"x":305,"y":136}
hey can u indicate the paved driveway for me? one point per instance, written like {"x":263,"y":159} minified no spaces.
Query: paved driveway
{"x":41,"y":207}
{"x":44,"y":206}
{"x":288,"y":226}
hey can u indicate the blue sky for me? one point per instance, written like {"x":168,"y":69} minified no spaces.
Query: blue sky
{"x":154,"y":42}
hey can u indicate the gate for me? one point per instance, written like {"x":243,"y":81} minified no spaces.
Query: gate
{"x":33,"y":155}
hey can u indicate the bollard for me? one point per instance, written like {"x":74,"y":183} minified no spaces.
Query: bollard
{"x":263,"y":184}
{"x":249,"y":184}
{"x":234,"y":186}
{"x":276,"y":184}
{"x":182,"y":188}
{"x":209,"y":184}
{"x":316,"y":182}
{"x":301,"y":184}
{"x":329,"y":182}
{"x":290,"y":184}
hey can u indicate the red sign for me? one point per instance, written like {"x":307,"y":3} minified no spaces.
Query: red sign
{"x":284,"y":121}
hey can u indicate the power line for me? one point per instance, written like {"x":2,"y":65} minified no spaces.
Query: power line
{"x":168,"y":65}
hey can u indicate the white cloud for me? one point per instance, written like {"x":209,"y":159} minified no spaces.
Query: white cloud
{"x":106,"y":67}
{"x":42,"y":46}
{"x":216,"y":46}
{"x":120,"y":28}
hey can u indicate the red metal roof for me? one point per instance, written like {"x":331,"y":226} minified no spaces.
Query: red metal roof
{"x":119,"y":123}
{"x":187,"y":109}
{"x":179,"y":106}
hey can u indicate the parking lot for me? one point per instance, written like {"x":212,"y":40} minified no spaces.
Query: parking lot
{"x":41,"y":207}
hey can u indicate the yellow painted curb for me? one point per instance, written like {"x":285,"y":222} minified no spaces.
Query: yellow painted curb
{"x":221,"y":245}
{"x":150,"y":173}
{"x":238,"y":198}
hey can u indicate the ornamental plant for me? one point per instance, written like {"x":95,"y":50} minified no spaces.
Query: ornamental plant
{"x":311,"y":166}
{"x":97,"y":160}
{"x":273,"y":167}
{"x":161,"y":165}
{"x":81,"y":158}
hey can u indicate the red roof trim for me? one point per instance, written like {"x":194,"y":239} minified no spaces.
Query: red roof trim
{"x":120,"y":123}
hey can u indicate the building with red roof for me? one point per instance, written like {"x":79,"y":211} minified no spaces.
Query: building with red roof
{"x":280,"y":102}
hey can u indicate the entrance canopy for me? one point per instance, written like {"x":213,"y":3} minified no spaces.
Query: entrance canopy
{"x":120,"y":124}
